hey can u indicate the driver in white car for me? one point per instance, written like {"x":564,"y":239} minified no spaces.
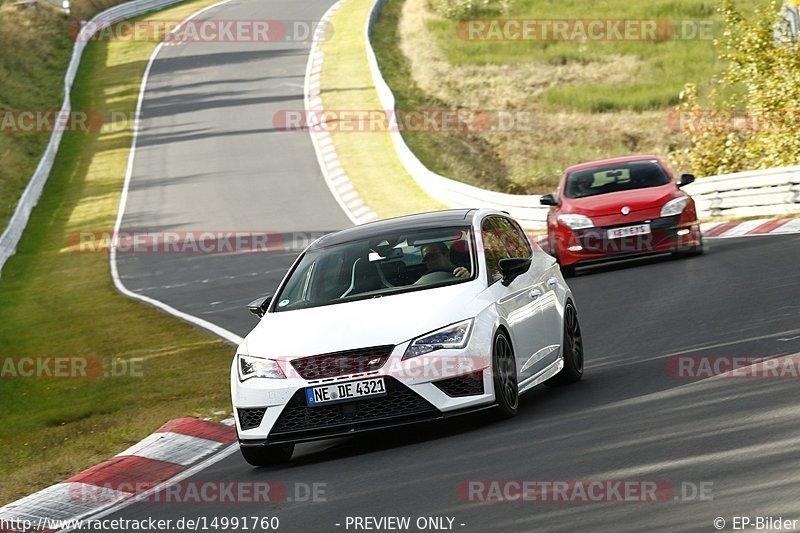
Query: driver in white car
{"x":436,"y":257}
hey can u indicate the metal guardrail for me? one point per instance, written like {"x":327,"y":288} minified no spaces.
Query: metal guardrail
{"x":755,"y":193}
{"x":60,"y":5}
{"x":775,"y":191}
{"x":30,"y":197}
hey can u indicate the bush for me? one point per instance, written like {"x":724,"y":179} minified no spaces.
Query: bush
{"x":752,"y":120}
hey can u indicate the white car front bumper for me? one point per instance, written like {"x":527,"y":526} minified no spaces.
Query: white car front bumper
{"x":416,"y":391}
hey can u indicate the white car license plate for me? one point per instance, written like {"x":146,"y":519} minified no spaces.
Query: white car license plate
{"x":627,"y":231}
{"x":342,"y":392}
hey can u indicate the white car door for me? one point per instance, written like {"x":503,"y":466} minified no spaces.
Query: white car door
{"x":548,"y":290}
{"x":519,"y":303}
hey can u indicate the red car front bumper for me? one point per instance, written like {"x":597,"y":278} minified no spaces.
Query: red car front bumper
{"x":667,"y":234}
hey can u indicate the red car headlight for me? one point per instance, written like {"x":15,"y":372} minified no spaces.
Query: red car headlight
{"x":675,"y":207}
{"x":576,"y":221}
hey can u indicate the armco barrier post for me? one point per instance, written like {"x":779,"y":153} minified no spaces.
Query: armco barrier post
{"x":716,"y":204}
{"x":795,"y":188}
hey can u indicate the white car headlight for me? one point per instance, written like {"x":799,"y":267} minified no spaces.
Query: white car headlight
{"x":452,"y":336}
{"x":257,"y":367}
{"x":674,"y":207}
{"x":576,"y":221}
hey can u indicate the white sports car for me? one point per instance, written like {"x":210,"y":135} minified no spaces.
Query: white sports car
{"x":399,"y":321}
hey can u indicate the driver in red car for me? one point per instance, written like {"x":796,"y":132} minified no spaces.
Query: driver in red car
{"x":436,"y":256}
{"x":582,"y":185}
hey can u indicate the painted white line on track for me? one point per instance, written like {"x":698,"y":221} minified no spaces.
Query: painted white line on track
{"x":59,"y":501}
{"x":112,"y":258}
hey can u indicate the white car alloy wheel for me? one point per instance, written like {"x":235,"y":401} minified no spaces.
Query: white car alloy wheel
{"x":572,"y":349}
{"x":506,"y":388}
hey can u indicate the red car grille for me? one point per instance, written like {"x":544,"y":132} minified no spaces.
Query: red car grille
{"x":663,"y":229}
{"x":342,"y":363}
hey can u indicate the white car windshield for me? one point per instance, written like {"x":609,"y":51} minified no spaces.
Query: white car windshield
{"x":379,"y":266}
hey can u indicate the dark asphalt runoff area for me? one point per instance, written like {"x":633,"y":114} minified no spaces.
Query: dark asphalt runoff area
{"x":209,"y":159}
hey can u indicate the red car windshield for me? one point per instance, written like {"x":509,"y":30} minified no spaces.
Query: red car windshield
{"x":615,"y":177}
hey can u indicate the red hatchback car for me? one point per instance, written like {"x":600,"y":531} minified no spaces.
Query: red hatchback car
{"x":621,"y":207}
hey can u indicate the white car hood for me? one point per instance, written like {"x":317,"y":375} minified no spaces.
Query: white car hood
{"x":392,"y":319}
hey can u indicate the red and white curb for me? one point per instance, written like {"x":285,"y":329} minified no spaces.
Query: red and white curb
{"x":172,"y":449}
{"x":749,"y":228}
{"x":725,"y":230}
{"x":335,"y":176}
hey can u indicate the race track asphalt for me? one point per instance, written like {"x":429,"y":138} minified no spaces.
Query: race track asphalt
{"x":210,"y":159}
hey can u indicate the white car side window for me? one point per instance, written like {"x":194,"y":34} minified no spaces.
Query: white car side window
{"x":493,"y":247}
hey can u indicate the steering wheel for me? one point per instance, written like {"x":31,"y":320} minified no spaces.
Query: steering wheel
{"x":435,"y":275}
{"x":440,"y":269}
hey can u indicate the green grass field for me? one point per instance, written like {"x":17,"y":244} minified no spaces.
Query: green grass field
{"x":666,"y":65}
{"x":586,"y":100}
{"x":55,"y":301}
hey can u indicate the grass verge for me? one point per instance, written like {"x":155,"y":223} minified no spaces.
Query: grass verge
{"x":681,"y":51}
{"x":368,"y":157}
{"x":467,"y":158}
{"x":32,"y":79}
{"x":57,"y":302}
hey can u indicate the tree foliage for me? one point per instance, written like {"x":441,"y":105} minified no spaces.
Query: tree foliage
{"x":751,"y":118}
